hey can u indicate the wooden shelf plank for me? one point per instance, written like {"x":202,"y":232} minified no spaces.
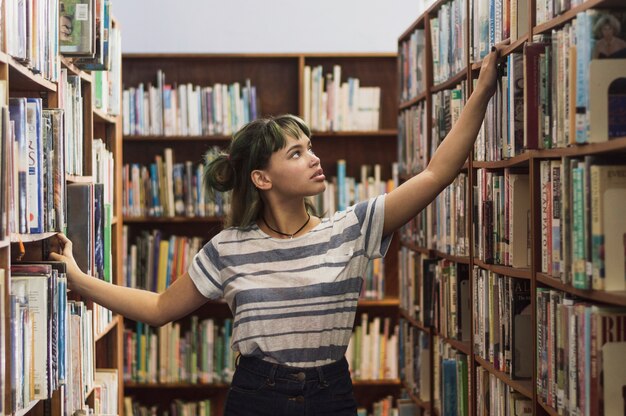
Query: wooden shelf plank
{"x":549,"y":410}
{"x":404,"y":314}
{"x":375,"y":133}
{"x":107,"y":329}
{"x":150,"y":220}
{"x":617,"y":144}
{"x":74,"y":70}
{"x":103,"y":117}
{"x":451,"y":257}
{"x":413,"y":101}
{"x":174,"y":386}
{"x":22,"y":78}
{"x":376,"y":383}
{"x":451,"y":82}
{"x":461,"y":346}
{"x":30,"y":238}
{"x":134,"y":138}
{"x":416,"y":248}
{"x":419,"y":402}
{"x":79,"y":179}
{"x":617,"y":298}
{"x":516,"y":161}
{"x":561,"y":19}
{"x":369,"y":303}
{"x":504,"y":270}
{"x":522,"y":386}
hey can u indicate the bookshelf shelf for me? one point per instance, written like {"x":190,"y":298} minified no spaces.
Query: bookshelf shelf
{"x":74,"y":70}
{"x":548,"y":409}
{"x":30,"y":238}
{"x":112,"y":325}
{"x":504,"y":270}
{"x":5,"y":243}
{"x":4,"y":58}
{"x":451,"y":257}
{"x":522,"y":386}
{"x":416,"y":248}
{"x":407,"y":104}
{"x":522,"y":160}
{"x":27,"y":409}
{"x":618,"y":144}
{"x":23,"y":79}
{"x":101,"y":116}
{"x":170,"y":139}
{"x":175,"y":386}
{"x":613,"y":298}
{"x":331,"y":134}
{"x":424,"y":405}
{"x":450,"y":83}
{"x":376,"y":383}
{"x":570,"y":14}
{"x":157,"y":220}
{"x":417,"y":24}
{"x":79,"y":179}
{"x":414,"y":321}
{"x":462,"y":346}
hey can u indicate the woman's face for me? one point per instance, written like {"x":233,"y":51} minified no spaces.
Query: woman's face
{"x":607,"y":31}
{"x":295,"y":170}
{"x":65,"y":28}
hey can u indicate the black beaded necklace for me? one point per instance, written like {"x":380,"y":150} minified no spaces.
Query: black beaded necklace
{"x":285,"y":234}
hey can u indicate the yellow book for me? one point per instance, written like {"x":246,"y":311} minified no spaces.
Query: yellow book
{"x":164,"y":247}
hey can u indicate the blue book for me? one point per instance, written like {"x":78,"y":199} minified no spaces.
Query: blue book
{"x":17,"y":114}
{"x":341,"y":185}
{"x":449,"y":386}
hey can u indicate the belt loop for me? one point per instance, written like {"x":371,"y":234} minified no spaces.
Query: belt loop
{"x":237,"y":360}
{"x":320,"y":374}
{"x":270,"y":379}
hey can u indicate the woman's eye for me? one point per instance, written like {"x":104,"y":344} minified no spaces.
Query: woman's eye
{"x":311,"y":150}
{"x":295,"y":155}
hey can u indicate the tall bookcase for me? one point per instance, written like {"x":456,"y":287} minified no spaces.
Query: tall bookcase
{"x":21,"y":81}
{"x":279,"y":86}
{"x":432,"y":247}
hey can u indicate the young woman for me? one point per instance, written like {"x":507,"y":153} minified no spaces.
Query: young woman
{"x":292,"y":280}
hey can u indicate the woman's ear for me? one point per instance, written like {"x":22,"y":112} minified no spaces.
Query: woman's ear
{"x":261,"y":180}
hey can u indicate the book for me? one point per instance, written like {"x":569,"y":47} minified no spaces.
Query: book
{"x":80,"y":224}
{"x":614,"y":379}
{"x":76,"y":27}
{"x":608,"y":227}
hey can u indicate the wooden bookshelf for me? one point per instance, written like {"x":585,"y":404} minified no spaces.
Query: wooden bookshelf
{"x":528,"y":162}
{"x":22,"y":81}
{"x":278,"y":79}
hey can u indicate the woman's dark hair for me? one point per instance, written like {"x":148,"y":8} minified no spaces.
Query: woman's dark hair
{"x":250,"y":149}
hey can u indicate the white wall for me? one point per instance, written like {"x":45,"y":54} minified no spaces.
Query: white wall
{"x":256,"y":26}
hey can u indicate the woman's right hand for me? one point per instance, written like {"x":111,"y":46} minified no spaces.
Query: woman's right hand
{"x":66,"y":256}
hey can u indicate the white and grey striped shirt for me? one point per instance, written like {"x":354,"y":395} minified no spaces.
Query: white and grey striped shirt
{"x":293,"y":300}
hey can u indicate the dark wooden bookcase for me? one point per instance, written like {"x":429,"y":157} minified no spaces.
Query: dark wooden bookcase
{"x":529,"y":162}
{"x":279,"y":82}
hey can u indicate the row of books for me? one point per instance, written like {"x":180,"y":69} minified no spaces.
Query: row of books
{"x":442,"y":225}
{"x":549,"y":9}
{"x":172,"y":354}
{"x":32,"y":154}
{"x":372,"y":350}
{"x":343,"y":191}
{"x":177,"y":407}
{"x":31,"y":33}
{"x":494,"y":397}
{"x":501,"y":214}
{"x":582,"y":229}
{"x":451,"y":380}
{"x":186,"y":109}
{"x":166,"y":188}
{"x":544,"y":99}
{"x":502,"y":322}
{"x":446,"y":110}
{"x":333,"y":105}
{"x":493,"y":21}
{"x":580,"y":355}
{"x":51,"y":337}
{"x":412,"y":61}
{"x":413,"y":140}
{"x":414,"y":351}
{"x":153,"y":261}
{"x":106,"y":85}
{"x":448,"y":37}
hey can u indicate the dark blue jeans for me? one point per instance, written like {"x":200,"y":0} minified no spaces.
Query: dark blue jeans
{"x":261,"y":388}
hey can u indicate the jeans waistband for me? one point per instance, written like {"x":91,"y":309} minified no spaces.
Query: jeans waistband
{"x":278,"y":371}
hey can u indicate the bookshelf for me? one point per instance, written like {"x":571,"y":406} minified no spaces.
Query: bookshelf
{"x":47,"y":80}
{"x":549,"y":297}
{"x":279,"y":81}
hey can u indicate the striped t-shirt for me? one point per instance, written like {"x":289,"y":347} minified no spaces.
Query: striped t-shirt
{"x":293,"y":300}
